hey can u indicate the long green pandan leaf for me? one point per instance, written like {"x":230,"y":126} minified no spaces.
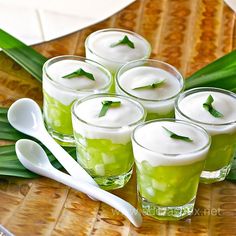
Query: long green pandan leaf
{"x":11,"y":166}
{"x":225,"y":78}
{"x":3,"y":110}
{"x":24,"y":55}
{"x":224,"y":62}
{"x":220,"y":73}
{"x":7,"y":132}
{"x":7,"y":149}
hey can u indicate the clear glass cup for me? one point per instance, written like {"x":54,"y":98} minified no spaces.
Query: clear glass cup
{"x":156,"y":108}
{"x":58,"y":99}
{"x":223,"y":146}
{"x":105,"y":151}
{"x":167,"y":183}
{"x":110,"y":60}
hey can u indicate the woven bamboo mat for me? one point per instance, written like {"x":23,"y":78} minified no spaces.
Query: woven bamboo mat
{"x":186,"y":33}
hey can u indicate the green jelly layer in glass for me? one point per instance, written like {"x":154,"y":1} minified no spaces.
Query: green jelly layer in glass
{"x":57,"y":115}
{"x":153,"y":116}
{"x":168,"y":185}
{"x":102,"y":157}
{"x":112,"y":88}
{"x":221,"y":153}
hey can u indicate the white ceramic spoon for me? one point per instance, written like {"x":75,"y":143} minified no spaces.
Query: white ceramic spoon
{"x":25,"y":115}
{"x":33,"y":157}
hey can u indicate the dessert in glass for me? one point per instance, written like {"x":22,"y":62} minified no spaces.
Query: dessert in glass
{"x":153,"y":83}
{"x":114,"y":47}
{"x":102,"y":126}
{"x":65,"y":79}
{"x":169,"y":157}
{"x":215,"y":110}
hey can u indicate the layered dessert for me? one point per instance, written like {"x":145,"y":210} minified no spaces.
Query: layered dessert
{"x":65,"y":79}
{"x":170,"y":157}
{"x":154,"y":83}
{"x":102,"y":128}
{"x":114,"y":47}
{"x":215,"y":110}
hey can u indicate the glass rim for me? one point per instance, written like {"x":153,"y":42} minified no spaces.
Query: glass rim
{"x":118,"y":30}
{"x":145,"y":99}
{"x":201,"y":89}
{"x":202,"y":130}
{"x":138,"y":104}
{"x":82,"y":59}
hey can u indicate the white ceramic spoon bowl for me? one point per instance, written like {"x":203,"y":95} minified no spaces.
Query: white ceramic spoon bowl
{"x":33,"y":157}
{"x":25,"y":115}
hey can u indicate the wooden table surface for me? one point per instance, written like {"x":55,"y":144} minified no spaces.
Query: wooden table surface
{"x":185,"y":33}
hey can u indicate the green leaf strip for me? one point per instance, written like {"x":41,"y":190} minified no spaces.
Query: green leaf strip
{"x":176,"y":136}
{"x":208,"y":106}
{"x":151,"y":86}
{"x":78,"y":73}
{"x":124,"y":41}
{"x":106,"y":105}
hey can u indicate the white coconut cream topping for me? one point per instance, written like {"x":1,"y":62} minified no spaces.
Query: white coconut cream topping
{"x":132,"y":80}
{"x":154,"y":144}
{"x":192,"y":107}
{"x":100,"y":44}
{"x":116,"y":124}
{"x":67,"y":89}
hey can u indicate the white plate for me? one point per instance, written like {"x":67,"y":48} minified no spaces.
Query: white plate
{"x":232,"y":4}
{"x":36,"y":21}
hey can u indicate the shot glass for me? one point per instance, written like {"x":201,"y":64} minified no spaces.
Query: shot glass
{"x":153,"y":83}
{"x":194,"y":105}
{"x":103,"y":137}
{"x":106,"y":47}
{"x":64,"y":81}
{"x":168,"y":167}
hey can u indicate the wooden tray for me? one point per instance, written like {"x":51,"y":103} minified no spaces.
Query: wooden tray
{"x":186,"y":33}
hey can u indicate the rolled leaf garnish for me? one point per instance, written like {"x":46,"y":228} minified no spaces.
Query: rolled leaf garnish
{"x":78,"y":73}
{"x":106,"y":105}
{"x":208,"y":106}
{"x":151,"y":86}
{"x":176,"y":136}
{"x":124,"y":41}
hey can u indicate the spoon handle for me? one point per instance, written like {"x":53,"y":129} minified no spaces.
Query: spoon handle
{"x":71,"y":166}
{"x":121,"y":205}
